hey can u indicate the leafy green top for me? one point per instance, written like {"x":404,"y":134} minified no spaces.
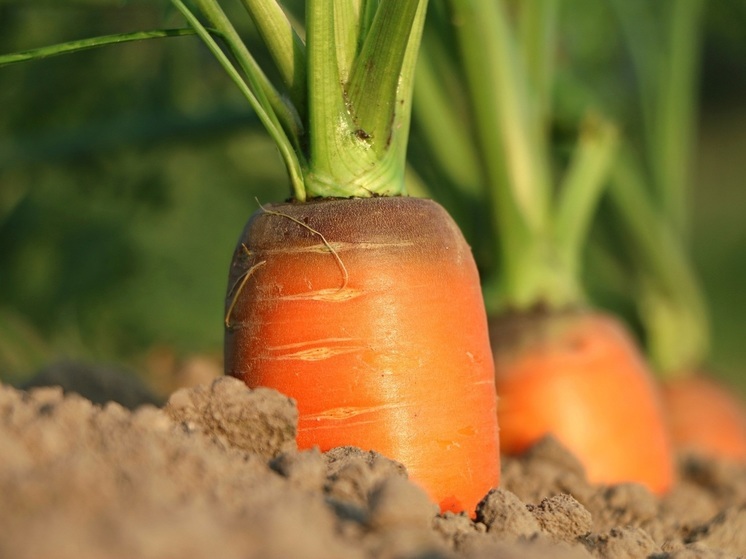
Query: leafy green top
{"x":340,"y":117}
{"x":504,"y":74}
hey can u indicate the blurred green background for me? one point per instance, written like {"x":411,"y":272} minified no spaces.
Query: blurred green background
{"x":128,"y":172}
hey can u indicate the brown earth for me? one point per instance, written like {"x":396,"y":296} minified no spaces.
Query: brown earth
{"x":216,"y":473}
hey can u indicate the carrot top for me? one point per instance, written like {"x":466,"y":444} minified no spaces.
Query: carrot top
{"x":503,"y":80}
{"x":340,"y":116}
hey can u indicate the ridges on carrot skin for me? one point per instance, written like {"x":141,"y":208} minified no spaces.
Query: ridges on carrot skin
{"x":398,"y":361}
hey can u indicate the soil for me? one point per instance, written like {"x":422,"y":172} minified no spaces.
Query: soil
{"x":215,"y":472}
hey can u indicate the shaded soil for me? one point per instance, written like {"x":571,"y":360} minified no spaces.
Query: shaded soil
{"x":215,"y":472}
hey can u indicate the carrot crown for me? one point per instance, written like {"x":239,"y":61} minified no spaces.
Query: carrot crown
{"x":340,"y":116}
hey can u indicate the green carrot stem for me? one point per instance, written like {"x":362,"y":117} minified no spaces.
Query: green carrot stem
{"x":581,"y":189}
{"x":654,"y":204}
{"x":675,"y":110}
{"x":281,"y":112}
{"x":537,"y":33}
{"x":665,"y":54}
{"x":498,"y":88}
{"x":358,"y":133}
{"x":541,"y":235}
{"x":350,"y":28}
{"x":90,"y":43}
{"x":255,"y":89}
{"x":285,"y":47}
{"x":374,"y":82}
{"x":496,"y":91}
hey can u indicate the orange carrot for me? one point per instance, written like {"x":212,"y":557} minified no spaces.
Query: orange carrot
{"x":368,"y":312}
{"x":360,"y":303}
{"x":579,"y":377}
{"x":705,"y":417}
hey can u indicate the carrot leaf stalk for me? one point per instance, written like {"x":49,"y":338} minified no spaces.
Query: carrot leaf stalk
{"x":541,"y":227}
{"x":89,"y":43}
{"x":671,"y":302}
{"x":253,"y":84}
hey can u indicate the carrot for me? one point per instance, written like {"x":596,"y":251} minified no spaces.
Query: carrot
{"x":368,"y":312}
{"x":561,"y":367}
{"x":360,"y":303}
{"x":705,"y":418}
{"x":576,"y":376}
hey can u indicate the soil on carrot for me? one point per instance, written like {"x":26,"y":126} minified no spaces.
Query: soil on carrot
{"x":215,"y":472}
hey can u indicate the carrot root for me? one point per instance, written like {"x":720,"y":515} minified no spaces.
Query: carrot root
{"x":397,"y":360}
{"x":579,"y":377}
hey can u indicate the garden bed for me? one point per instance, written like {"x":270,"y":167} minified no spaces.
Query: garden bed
{"x":216,"y":473}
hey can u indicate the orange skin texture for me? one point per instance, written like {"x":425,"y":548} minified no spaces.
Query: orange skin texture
{"x":704,"y":417}
{"x":582,"y":380}
{"x":393,"y":358}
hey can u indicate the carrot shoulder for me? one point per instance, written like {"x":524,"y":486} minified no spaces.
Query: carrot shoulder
{"x":368,"y":312}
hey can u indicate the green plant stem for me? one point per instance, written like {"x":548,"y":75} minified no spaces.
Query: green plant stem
{"x":374,"y":81}
{"x":281,"y":112}
{"x":541,"y":230}
{"x":664,"y":41}
{"x":358,"y":133}
{"x":350,"y":28}
{"x":90,"y":43}
{"x":255,"y":90}
{"x":285,"y":46}
{"x":675,"y":109}
{"x":537,"y":32}
{"x":335,"y":149}
{"x":496,"y":91}
{"x":653,"y":202}
{"x":581,"y":190}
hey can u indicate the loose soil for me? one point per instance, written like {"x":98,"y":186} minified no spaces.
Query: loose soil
{"x":215,"y":472}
